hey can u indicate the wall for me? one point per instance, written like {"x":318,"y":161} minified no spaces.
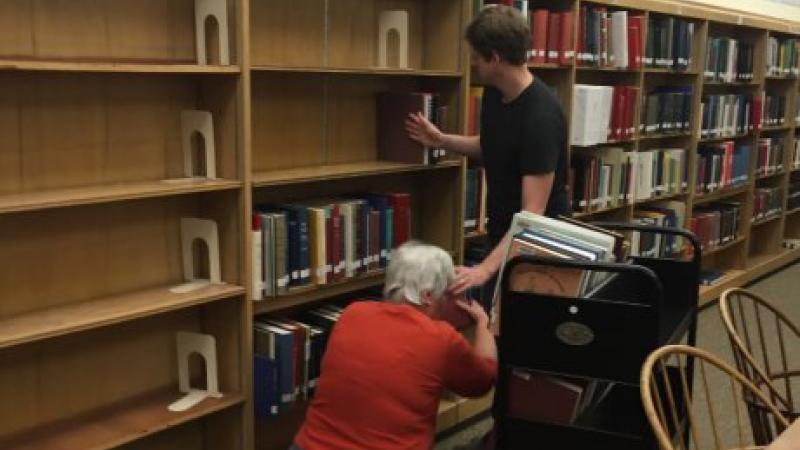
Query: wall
{"x":784,"y":9}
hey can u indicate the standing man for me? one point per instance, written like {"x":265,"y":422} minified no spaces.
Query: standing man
{"x":523,"y":136}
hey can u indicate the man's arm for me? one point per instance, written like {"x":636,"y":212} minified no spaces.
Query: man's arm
{"x":535,"y":194}
{"x":423,"y":131}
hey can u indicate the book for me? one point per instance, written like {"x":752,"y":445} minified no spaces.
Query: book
{"x":392,"y":111}
{"x":542,"y":398}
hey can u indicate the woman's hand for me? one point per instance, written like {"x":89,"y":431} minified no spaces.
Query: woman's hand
{"x":475,"y":310}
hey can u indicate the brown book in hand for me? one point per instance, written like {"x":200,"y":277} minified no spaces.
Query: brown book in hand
{"x":393,"y":109}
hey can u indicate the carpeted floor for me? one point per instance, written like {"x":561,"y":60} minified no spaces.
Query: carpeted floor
{"x":782,"y":288}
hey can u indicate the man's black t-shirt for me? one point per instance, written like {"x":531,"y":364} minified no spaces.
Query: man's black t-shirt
{"x":527,"y":136}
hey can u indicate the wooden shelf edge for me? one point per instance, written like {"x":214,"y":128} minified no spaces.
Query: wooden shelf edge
{"x":758,"y":266}
{"x":340,"y":171}
{"x":764,"y":220}
{"x":358,"y":71}
{"x":88,"y":315}
{"x":724,"y":246}
{"x":120,"y":425}
{"x":60,"y":198}
{"x":117,"y":67}
{"x":720,"y":194}
{"x":315,"y":293}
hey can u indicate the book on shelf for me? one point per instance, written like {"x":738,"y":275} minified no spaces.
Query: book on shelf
{"x":669,"y":43}
{"x":475,"y":201}
{"x":666,"y":109}
{"x":317,"y":242}
{"x":730,"y":114}
{"x":781,"y":57}
{"x":670,"y":214}
{"x":796,"y":155}
{"x":609,"y":38}
{"x":602,"y":178}
{"x":721,"y":166}
{"x":774,"y":109}
{"x":716,"y":224}
{"x":770,"y":156}
{"x":602,"y":114}
{"x":793,"y":199}
{"x":711,"y":277}
{"x":474,"y":111}
{"x":728,"y":60}
{"x":767,"y":203}
{"x":392,"y":111}
{"x":551,"y":36}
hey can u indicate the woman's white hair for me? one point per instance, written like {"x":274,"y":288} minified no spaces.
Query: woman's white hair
{"x":417,"y":268}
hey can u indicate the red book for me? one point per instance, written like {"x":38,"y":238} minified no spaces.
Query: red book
{"x":633,"y":93}
{"x":539,"y":35}
{"x":553,"y":35}
{"x":541,"y":398}
{"x":581,"y":38}
{"x":635,"y":27}
{"x":336,"y":243}
{"x":618,"y":119}
{"x":401,"y":226}
{"x":566,"y":44}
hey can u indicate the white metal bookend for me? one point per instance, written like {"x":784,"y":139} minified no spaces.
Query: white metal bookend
{"x":218,"y":10}
{"x":388,"y":22}
{"x":206,"y":346}
{"x":205,"y":230}
{"x":200,"y":123}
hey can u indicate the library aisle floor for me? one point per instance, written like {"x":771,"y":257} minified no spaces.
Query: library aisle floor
{"x":781,"y":288}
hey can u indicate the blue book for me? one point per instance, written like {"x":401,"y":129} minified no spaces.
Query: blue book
{"x":284,"y":359}
{"x":265,"y":386}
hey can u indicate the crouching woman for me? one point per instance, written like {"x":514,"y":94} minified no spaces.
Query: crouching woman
{"x":387,"y":363}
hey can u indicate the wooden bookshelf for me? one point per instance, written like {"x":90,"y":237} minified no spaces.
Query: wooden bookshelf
{"x":90,"y":102}
{"x":118,"y":67}
{"x":60,"y":320}
{"x":94,"y":188}
{"x":125,"y":423}
{"x":62,"y":198}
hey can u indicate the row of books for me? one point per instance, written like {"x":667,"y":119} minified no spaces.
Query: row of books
{"x":288,"y":358}
{"x":728,"y":60}
{"x":716,"y":224}
{"x":782,"y":57}
{"x":611,"y":176}
{"x":767,"y":202}
{"x":551,"y":36}
{"x":603,"y":113}
{"x":669,"y":43}
{"x":667,"y":109}
{"x":474,"y":114}
{"x":770,"y":156}
{"x":323,"y":241}
{"x":774,"y":109}
{"x":671,"y":214}
{"x":730,"y":114}
{"x":392,"y":110}
{"x":793,"y":200}
{"x":722,"y":165}
{"x":475,"y":202}
{"x":796,"y":157}
{"x":609,"y":39}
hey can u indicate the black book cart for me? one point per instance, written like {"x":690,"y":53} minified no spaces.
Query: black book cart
{"x":642,"y":304}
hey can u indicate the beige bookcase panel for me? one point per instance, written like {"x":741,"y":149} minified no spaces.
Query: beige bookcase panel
{"x":65,"y":256}
{"x":119,"y":30}
{"x":110,"y":372}
{"x":73,"y":130}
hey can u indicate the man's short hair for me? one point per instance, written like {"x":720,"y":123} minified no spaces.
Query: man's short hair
{"x":500,"y":29}
{"x":417,"y":268}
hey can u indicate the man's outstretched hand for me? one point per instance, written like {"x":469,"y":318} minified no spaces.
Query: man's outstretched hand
{"x":467,"y":277}
{"x":423,"y":131}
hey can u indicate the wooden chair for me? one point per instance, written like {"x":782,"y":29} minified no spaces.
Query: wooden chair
{"x":710,"y":416}
{"x":761,"y":336}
